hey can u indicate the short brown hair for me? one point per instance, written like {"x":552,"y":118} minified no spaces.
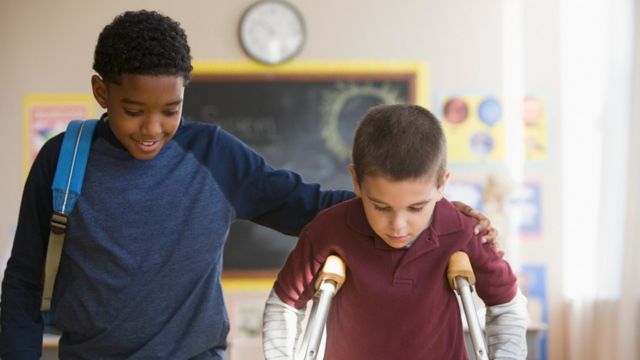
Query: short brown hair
{"x":399,"y":141}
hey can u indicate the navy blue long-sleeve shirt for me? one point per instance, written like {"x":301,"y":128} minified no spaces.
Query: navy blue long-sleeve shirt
{"x":140,"y":271}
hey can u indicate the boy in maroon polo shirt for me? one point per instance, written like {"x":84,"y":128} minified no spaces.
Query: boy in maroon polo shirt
{"x":396,"y":238}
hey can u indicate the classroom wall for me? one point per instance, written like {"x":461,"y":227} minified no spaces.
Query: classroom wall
{"x":47,"y":47}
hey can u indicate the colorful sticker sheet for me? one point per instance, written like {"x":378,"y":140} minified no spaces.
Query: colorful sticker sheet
{"x":475,"y":128}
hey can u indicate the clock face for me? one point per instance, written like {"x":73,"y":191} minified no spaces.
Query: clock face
{"x":272,"y":31}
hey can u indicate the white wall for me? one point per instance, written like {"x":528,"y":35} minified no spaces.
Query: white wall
{"x":47,"y":47}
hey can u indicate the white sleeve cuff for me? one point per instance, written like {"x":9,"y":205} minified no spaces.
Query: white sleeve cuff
{"x":506,"y":326}
{"x":281,"y":328}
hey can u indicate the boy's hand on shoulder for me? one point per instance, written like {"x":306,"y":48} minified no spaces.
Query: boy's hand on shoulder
{"x":490,"y":234}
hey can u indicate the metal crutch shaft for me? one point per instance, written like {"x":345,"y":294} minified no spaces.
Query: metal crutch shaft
{"x":329,"y":280}
{"x":317,"y":322}
{"x":461,"y":278}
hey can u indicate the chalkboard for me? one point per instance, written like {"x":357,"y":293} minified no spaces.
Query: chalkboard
{"x":303,"y":122}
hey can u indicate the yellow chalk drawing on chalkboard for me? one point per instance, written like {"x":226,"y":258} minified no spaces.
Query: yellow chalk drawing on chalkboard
{"x":334,"y":103}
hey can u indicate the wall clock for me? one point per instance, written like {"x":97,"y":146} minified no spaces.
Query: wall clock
{"x":272,"y":31}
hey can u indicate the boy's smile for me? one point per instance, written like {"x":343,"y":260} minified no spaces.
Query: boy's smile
{"x":144,"y":110}
{"x":398,"y":211}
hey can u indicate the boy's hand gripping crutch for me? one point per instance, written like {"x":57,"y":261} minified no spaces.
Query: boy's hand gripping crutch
{"x":461,"y":278}
{"x":329,"y":280}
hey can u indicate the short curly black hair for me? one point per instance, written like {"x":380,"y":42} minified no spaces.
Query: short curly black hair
{"x":142,"y":43}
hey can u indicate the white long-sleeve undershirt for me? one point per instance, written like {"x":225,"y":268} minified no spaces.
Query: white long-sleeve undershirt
{"x":506,"y":326}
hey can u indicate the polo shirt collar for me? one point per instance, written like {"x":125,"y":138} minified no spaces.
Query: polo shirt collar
{"x":446,"y":218}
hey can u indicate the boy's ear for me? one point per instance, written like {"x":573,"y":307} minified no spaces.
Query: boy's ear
{"x":443,"y":183}
{"x":354,"y":178}
{"x":99,"y":90}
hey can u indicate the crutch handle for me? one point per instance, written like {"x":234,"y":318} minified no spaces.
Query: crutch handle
{"x":461,"y":279}
{"x":459,"y":265}
{"x":333,"y":269}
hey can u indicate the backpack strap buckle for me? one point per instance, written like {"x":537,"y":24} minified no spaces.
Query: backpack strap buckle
{"x":58,"y":223}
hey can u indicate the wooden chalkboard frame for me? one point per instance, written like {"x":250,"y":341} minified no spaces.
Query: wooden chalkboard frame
{"x":310,"y":70}
{"x":415,"y":74}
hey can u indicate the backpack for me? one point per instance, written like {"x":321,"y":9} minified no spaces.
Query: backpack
{"x":67,"y":183}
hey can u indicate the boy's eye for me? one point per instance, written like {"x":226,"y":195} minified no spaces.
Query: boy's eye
{"x":132,"y":112}
{"x":381,"y":208}
{"x":171,"y":112}
{"x":416,"y":209}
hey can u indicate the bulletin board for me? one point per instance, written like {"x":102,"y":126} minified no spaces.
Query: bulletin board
{"x":299,"y":116}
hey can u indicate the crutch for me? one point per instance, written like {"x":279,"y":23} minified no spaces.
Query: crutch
{"x":462,"y":279}
{"x":328,"y":283}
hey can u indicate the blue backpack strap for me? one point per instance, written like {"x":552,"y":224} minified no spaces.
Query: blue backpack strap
{"x":72,"y":162}
{"x":67,"y":183}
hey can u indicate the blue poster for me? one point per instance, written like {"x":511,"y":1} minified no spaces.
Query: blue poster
{"x":534,"y":288}
{"x":526,"y":201}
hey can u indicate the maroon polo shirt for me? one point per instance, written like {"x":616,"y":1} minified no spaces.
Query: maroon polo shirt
{"x":395,"y":303}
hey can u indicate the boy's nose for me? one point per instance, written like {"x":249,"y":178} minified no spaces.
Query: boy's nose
{"x":398,"y":223}
{"x":151,"y":127}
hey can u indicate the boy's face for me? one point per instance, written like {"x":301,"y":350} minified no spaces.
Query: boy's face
{"x":398,"y":211}
{"x":144,"y":110}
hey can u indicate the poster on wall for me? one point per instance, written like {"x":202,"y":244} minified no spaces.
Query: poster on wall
{"x":534,"y":114}
{"x":533,"y":283}
{"x":245,"y":299}
{"x":468,"y":192}
{"x":524,"y":200}
{"x":45,"y":116}
{"x":475,"y":128}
